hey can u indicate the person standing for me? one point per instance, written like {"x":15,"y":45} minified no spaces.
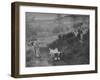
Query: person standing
{"x":36,"y":48}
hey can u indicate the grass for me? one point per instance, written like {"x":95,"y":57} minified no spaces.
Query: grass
{"x":74,"y":53}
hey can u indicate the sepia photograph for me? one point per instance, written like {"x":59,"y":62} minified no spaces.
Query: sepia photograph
{"x":56,"y":39}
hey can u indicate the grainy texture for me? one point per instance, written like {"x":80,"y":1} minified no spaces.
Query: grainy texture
{"x":66,"y":32}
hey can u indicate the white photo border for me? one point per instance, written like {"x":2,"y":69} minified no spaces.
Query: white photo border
{"x":53,"y":69}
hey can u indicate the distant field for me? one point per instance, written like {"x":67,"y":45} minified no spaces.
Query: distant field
{"x":47,"y":40}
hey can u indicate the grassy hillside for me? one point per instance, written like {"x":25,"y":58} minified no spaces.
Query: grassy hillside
{"x":75,"y":52}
